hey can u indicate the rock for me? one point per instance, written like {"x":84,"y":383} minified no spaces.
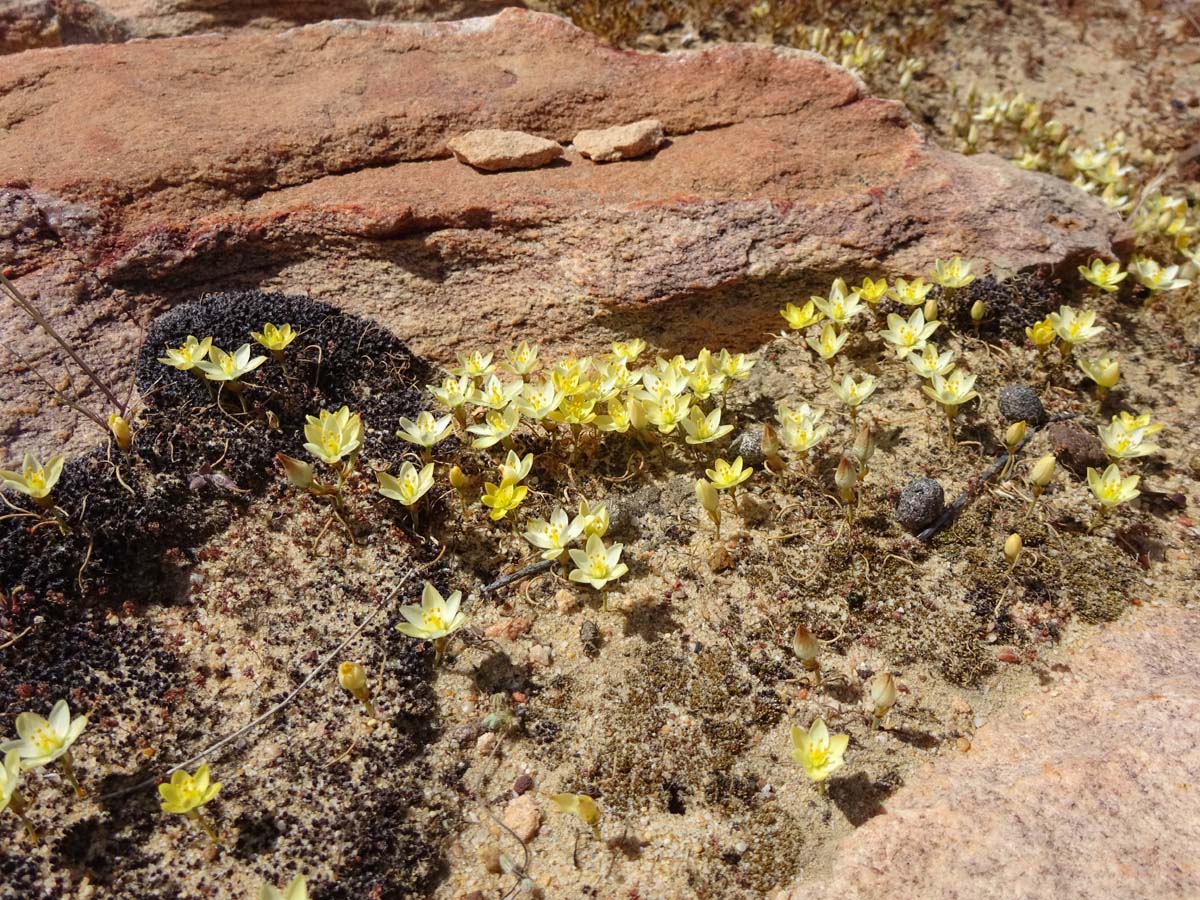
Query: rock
{"x":524,"y":817}
{"x":565,"y":600}
{"x":486,"y":744}
{"x":748,"y":445}
{"x":1038,"y":806}
{"x":25,"y":24}
{"x":326,"y":172}
{"x":540,"y":656}
{"x":1020,"y":402}
{"x":494,"y":150}
{"x":509,"y":629}
{"x":621,"y":141}
{"x":920,"y":504}
{"x":523,"y":784}
{"x":1076,"y":448}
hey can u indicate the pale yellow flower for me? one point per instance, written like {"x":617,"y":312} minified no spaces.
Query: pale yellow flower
{"x":503,"y":498}
{"x":515,"y":468}
{"x":872,"y":291}
{"x":954,"y":273}
{"x":1041,"y":334}
{"x":952,"y":390}
{"x":854,"y":393}
{"x":592,"y":519}
{"x":1110,"y":488}
{"x":333,"y":436}
{"x":35,"y":480}
{"x":522,"y":359}
{"x":435,"y":618}
{"x":828,"y":343}
{"x":536,"y":401}
{"x":475,"y":364}
{"x":702,"y":429}
{"x":187,"y":793}
{"x":597,"y":564}
{"x":495,"y":394}
{"x":801,"y":317}
{"x":628,"y":350}
{"x":1106,"y":276}
{"x":185,"y":357}
{"x":410,"y":487}
{"x":667,"y":412}
{"x":841,"y":306}
{"x":275,"y":339}
{"x":908,"y":336}
{"x":911,"y":293}
{"x":728,"y":475}
{"x":1121,"y":442}
{"x":820,"y":753}
{"x":426,"y":431}
{"x":229,"y":367}
{"x":453,"y":393}
{"x":734,"y":366}
{"x":1155,"y":277}
{"x":580,"y":805}
{"x":497,"y":425}
{"x":1073,"y":326}
{"x":929,"y":362}
{"x":1104,"y":370}
{"x":552,"y":537}
{"x":41,"y":741}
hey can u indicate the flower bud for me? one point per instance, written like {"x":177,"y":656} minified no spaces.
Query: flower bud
{"x":298,"y":472}
{"x":806,"y":647}
{"x":1055,"y":130}
{"x":1014,"y":435}
{"x":121,"y":432}
{"x":931,"y":310}
{"x":1012,"y":548}
{"x":637,"y":415}
{"x":458,"y":480}
{"x":883,"y":694}
{"x":770,"y":441}
{"x":1043,"y":471}
{"x":353,"y":678}
{"x":845,"y":477}
{"x":863,"y":449}
{"x":978,"y":311}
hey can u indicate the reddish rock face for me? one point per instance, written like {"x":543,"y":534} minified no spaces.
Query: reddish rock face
{"x":141,"y":174}
{"x":1082,"y":793}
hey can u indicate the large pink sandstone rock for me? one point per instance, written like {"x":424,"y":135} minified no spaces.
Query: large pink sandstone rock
{"x":1087,"y":792}
{"x":137,"y":175}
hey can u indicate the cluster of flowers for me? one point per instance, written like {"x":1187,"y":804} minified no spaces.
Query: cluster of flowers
{"x":212,"y":363}
{"x":40,"y":741}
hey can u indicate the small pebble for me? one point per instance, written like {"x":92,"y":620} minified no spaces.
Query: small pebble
{"x":523,"y":785}
{"x":524,"y":817}
{"x":963,"y":744}
{"x":565,"y":600}
{"x":539,"y":656}
{"x":748,"y":445}
{"x":486,"y":744}
{"x":1020,"y":402}
{"x":920,"y":504}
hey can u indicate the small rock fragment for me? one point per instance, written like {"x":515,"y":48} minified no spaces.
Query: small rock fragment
{"x":1076,"y":449}
{"x":748,"y":445}
{"x":539,"y":656}
{"x":486,"y":743}
{"x":489,"y":858}
{"x":621,"y":141}
{"x":524,"y":817}
{"x":523,"y":784}
{"x":921,"y":502}
{"x":496,"y":151}
{"x":963,"y":744}
{"x":720,"y":559}
{"x":509,"y":629}
{"x":565,"y":600}
{"x":1020,"y":402}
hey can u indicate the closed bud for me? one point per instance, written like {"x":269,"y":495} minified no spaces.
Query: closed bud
{"x":770,"y":441}
{"x":845,"y":477}
{"x":973,"y":135}
{"x":637,"y":415}
{"x":1014,"y":435}
{"x":298,"y":472}
{"x":121,"y":432}
{"x":353,"y":678}
{"x":710,"y":500}
{"x":931,"y":310}
{"x":883,"y":694}
{"x":978,"y":311}
{"x":806,"y":647}
{"x":1043,"y":471}
{"x":863,"y":449}
{"x":458,"y":479}
{"x":1012,"y":548}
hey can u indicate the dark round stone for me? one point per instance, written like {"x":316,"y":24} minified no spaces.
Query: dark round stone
{"x":921,"y":502}
{"x":523,"y":784}
{"x":748,"y":445}
{"x":1021,"y":403}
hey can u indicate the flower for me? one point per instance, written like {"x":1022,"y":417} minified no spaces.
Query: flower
{"x":187,"y":355}
{"x":593,"y":519}
{"x":410,"y":487}
{"x":275,"y":339}
{"x":35,"y":479}
{"x":628,"y":350}
{"x":908,"y":336}
{"x":1121,"y":442}
{"x":575,"y":409}
{"x":1105,"y":370}
{"x":521,"y":359}
{"x":352,"y":677}
{"x":852,"y":392}
{"x":702,"y":429}
{"x":502,"y":498}
{"x":667,"y":412}
{"x":911,"y":293}
{"x":952,"y":390}
{"x":580,"y":805}
{"x":453,"y":393}
{"x":1106,"y":276}
{"x":497,"y":425}
{"x":882,"y":690}
{"x":818,"y":751}
{"x":1155,"y":277}
{"x":222,"y":366}
{"x":801,"y":317}
{"x":734,"y":366}
{"x":536,"y":401}
{"x":1041,"y":334}
{"x":118,"y":426}
{"x":618,"y":418}
{"x":829,"y":343}
{"x":841,"y":306}
{"x":597,"y":564}
{"x":929,"y":362}
{"x":801,"y":436}
{"x":495,"y":394}
{"x":296,"y":890}
{"x":1131,"y":422}
{"x":435,"y":618}
{"x":514,"y":468}
{"x":552,"y":537}
{"x":954,"y":273}
{"x":1110,"y":488}
{"x":726,"y":476}
{"x":299,"y":473}
{"x":872,"y":291}
{"x":1073,"y":326}
{"x":704,"y":383}
{"x":710,"y":501}
{"x":41,"y":741}
{"x":473,"y":365}
{"x":187,"y":793}
{"x":426,"y":431}
{"x":334,"y":436}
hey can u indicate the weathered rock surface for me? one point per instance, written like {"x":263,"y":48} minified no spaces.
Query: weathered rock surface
{"x":138,"y":175}
{"x":620,"y":141}
{"x":1086,"y":792}
{"x":494,"y":150}
{"x":27,"y":24}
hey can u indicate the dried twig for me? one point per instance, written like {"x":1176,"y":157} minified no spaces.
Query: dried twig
{"x":505,"y":580}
